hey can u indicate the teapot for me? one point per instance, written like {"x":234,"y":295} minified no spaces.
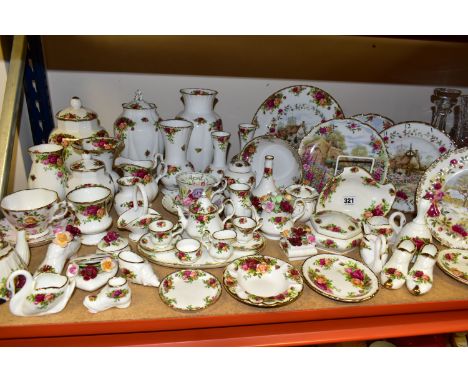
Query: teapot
{"x":45,"y":294}
{"x":203,"y":216}
{"x":12,"y":259}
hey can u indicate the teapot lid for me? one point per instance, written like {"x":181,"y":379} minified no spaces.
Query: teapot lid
{"x":239,"y":166}
{"x":302,"y":191}
{"x":76,"y":112}
{"x":86,"y":165}
{"x":203,"y":206}
{"x":335,"y":224}
{"x":138,"y":103}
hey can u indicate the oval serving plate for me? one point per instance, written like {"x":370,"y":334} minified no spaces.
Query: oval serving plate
{"x":287,"y":166}
{"x":445,"y":183}
{"x":262,"y":275}
{"x":340,"y":278}
{"x":189,"y":290}
{"x":454,"y":262}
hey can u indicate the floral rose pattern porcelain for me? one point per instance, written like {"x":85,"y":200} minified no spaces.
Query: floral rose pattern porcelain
{"x":445,"y":184}
{"x":348,"y":139}
{"x":454,"y":262}
{"x":190,"y":290}
{"x":340,"y":278}
{"x":260,"y":272}
{"x":378,"y":122}
{"x":292,"y":112}
{"x":412,"y":147}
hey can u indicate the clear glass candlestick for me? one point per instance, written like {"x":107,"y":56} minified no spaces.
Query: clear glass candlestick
{"x":444,"y":100}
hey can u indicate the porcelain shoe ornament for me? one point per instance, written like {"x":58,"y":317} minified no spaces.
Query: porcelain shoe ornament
{"x":12,"y":259}
{"x":395,"y":271}
{"x":373,"y":250}
{"x":112,"y":244}
{"x":355,"y":193}
{"x":219,"y":244}
{"x":203,"y":216}
{"x":44,"y":294}
{"x":116,"y":294}
{"x":91,"y":272}
{"x":420,"y":278}
{"x":380,"y":225}
{"x":417,"y":230}
{"x":137,"y":270}
{"x":65,"y":244}
{"x":139,"y":226}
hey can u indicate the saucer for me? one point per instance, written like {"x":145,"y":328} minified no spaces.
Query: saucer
{"x":9,"y":232}
{"x":256,"y":245}
{"x":190,"y":290}
{"x":147,"y":244}
{"x":258,"y":285}
{"x":167,"y":257}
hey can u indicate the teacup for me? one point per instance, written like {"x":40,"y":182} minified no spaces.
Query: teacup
{"x":219,"y":243}
{"x":193,"y":184}
{"x":33,"y":210}
{"x":163,"y":232}
{"x":245,"y":228}
{"x":380,"y":225}
{"x":136,"y":269}
{"x":91,"y":206}
{"x":188,"y":251}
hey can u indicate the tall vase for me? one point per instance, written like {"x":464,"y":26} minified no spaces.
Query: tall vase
{"x":47,"y":170}
{"x":199,"y":109}
{"x":176,"y":134}
{"x":267,"y":183}
{"x":246,"y":133}
{"x":220,"y":141}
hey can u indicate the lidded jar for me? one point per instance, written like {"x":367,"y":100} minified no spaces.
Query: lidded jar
{"x":89,"y":172}
{"x":239,"y":171}
{"x":137,"y":128}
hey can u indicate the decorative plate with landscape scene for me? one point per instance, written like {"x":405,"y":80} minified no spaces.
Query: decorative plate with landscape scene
{"x":412,"y":147}
{"x":377,"y":121}
{"x":340,"y":278}
{"x":445,"y":183}
{"x":352,"y":142}
{"x":290,"y":113}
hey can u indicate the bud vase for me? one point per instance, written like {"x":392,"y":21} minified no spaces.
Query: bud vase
{"x":267,"y":183}
{"x":176,"y":134}
{"x":246,"y":133}
{"x":199,"y":109}
{"x":220,"y":141}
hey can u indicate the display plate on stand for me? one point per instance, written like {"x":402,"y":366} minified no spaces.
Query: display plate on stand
{"x":340,"y":278}
{"x":295,"y":110}
{"x":445,"y":183}
{"x":351,"y":141}
{"x":377,"y":121}
{"x":287,"y":167}
{"x":412,"y":147}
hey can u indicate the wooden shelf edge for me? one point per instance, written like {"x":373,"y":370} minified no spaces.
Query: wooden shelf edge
{"x":286,"y":334}
{"x":130,"y":327}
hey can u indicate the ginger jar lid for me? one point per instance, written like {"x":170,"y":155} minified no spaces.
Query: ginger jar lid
{"x":138,"y":103}
{"x":335,"y":224}
{"x":239,"y":166}
{"x":87,"y":165}
{"x":76,"y":112}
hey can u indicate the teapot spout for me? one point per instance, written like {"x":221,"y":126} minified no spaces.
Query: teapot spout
{"x":22,"y":247}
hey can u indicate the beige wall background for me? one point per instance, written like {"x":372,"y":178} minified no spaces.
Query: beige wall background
{"x":238,"y":100}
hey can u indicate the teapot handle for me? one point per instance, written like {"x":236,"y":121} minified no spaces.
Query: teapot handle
{"x":57,"y":216}
{"x":259,"y":225}
{"x":220,"y":189}
{"x":397,"y":227}
{"x":157,"y":156}
{"x":141,"y":188}
{"x":205,"y":242}
{"x":229,"y":217}
{"x":178,"y":229}
{"x":162,"y":172}
{"x":299,"y":215}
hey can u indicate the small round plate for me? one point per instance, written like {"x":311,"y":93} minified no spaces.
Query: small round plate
{"x":287,"y":167}
{"x":254,"y":280}
{"x":340,"y":278}
{"x":190,"y":290}
{"x":377,"y":121}
{"x":454,"y":262}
